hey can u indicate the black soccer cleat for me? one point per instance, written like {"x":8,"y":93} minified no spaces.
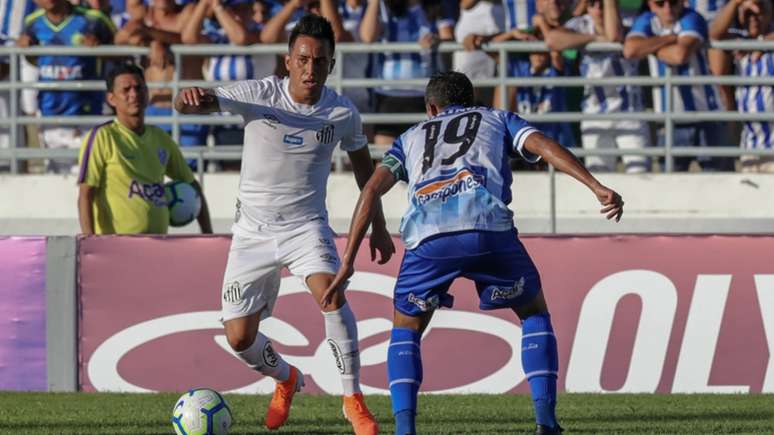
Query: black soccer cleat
{"x":542,"y":429}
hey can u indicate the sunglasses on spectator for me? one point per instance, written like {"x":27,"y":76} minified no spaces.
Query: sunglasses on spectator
{"x":661,"y":3}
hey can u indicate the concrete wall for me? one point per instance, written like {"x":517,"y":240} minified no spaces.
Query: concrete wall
{"x":655,"y":203}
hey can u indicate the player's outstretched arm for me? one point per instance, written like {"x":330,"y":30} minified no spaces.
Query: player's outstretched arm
{"x":565,"y":161}
{"x":196,"y":101}
{"x":381,"y":241}
{"x":365,"y":210}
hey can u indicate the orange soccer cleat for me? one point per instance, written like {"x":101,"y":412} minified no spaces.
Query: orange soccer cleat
{"x":356,"y":411}
{"x":279,"y":407}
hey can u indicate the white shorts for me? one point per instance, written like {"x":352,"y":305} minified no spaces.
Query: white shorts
{"x":252,"y":279}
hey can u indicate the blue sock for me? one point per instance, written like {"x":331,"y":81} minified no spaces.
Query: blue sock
{"x":541,"y":364}
{"x":404,"y":373}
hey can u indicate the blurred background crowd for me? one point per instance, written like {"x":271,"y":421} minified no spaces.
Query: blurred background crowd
{"x":658,"y":36}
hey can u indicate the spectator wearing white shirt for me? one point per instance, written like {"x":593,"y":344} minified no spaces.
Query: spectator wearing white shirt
{"x":602,"y":23}
{"x":484,"y":18}
{"x":755,"y":19}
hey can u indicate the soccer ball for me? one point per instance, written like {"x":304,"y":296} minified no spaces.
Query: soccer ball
{"x":201,"y":411}
{"x":183,"y":202}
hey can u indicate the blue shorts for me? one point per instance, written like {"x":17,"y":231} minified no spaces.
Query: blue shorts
{"x":496,"y":261}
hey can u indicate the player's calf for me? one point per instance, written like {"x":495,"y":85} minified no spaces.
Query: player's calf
{"x":404,"y":371}
{"x":540,"y":361}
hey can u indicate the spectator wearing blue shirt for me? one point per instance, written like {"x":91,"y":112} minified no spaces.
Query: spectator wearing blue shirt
{"x":398,"y":21}
{"x":673,"y":38}
{"x":754,"y":17}
{"x":59,"y":23}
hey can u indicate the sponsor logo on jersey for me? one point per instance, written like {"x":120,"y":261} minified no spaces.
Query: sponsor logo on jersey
{"x":293,"y":140}
{"x":336,"y":350}
{"x":508,"y":293}
{"x":61,"y":72}
{"x":448,"y":186}
{"x":151,"y":192}
{"x":428,"y":304}
{"x":232,"y":292}
{"x":325,"y":134}
{"x":269,"y":356}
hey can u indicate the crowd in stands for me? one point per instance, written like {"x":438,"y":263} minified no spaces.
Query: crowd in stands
{"x":657,"y":36}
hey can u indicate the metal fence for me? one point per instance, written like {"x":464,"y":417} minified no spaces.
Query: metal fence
{"x":668,"y":118}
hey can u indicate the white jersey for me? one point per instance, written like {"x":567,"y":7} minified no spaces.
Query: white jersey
{"x":287,"y":153}
{"x":485,"y":18}
{"x":456,"y":167}
{"x":605,"y":99}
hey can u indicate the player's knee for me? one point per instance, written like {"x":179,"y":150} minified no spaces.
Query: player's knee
{"x":536,"y":306}
{"x":240,"y":333}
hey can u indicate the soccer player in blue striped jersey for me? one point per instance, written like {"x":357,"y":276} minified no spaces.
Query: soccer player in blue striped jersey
{"x":602,"y":23}
{"x":673,"y":37}
{"x":459,"y":225}
{"x":755,"y":18}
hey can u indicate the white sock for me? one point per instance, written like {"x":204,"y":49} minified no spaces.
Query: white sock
{"x":261,"y":357}
{"x":341,"y":332}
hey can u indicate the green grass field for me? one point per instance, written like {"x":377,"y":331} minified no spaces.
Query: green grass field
{"x":90,"y":413}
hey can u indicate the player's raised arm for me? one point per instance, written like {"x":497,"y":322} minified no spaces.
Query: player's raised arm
{"x":196,"y":101}
{"x":380,"y":183}
{"x":563,"y":160}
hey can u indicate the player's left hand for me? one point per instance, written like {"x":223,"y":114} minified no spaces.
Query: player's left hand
{"x":612,"y":203}
{"x":346,"y":270}
{"x":381,"y":241}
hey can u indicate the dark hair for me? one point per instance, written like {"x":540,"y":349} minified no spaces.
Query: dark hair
{"x":450,"y":88}
{"x":315,"y":26}
{"x":121,"y":69}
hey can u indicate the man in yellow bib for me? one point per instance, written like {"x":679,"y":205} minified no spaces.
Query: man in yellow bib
{"x":123,"y":163}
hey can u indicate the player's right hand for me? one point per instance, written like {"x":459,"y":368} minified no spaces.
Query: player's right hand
{"x":346,"y":270}
{"x":194,"y":96}
{"x":612,"y":203}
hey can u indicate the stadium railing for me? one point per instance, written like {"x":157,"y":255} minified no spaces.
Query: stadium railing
{"x":668,"y":118}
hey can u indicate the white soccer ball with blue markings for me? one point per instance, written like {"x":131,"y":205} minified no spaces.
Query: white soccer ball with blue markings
{"x":201,"y":411}
{"x":183,"y":201}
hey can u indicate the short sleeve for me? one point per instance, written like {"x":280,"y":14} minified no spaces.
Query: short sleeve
{"x":518,"y":131}
{"x":641,"y":26}
{"x":693,"y":24}
{"x":354,"y":139}
{"x":177,"y":168}
{"x":91,"y":159}
{"x":395,"y":160}
{"x":245,"y":91}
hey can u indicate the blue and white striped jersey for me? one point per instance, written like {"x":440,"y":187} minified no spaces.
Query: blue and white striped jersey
{"x":519,"y":13}
{"x":756,"y":99}
{"x":395,"y":66}
{"x":12,"y":13}
{"x":707,"y":8}
{"x":605,"y":99}
{"x":687,"y":98}
{"x":228,"y":67}
{"x":457,"y":170}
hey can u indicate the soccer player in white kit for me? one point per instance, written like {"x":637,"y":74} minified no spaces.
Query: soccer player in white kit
{"x":291,"y":128}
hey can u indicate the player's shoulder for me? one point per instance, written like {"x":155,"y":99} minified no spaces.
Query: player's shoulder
{"x":34,"y":16}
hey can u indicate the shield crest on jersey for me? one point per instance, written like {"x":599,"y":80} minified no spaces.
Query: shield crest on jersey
{"x":325,"y":134}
